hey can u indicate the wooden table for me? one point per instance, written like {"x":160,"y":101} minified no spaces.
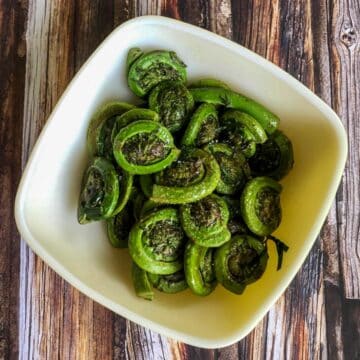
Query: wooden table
{"x":44,"y":43}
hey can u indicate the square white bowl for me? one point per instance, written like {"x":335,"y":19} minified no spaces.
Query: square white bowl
{"x":46,"y":202}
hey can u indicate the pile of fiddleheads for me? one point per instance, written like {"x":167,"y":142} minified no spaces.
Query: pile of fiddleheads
{"x":187,"y":181}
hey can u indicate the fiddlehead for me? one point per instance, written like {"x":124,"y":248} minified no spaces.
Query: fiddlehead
{"x":240,"y":262}
{"x":274,"y":158}
{"x":231,"y":99}
{"x":157,"y":241}
{"x":170,"y":284}
{"x":203,"y":126}
{"x":260,"y":205}
{"x":150,"y":69}
{"x":173,"y":102}
{"x":141,"y":282}
{"x":205,"y":221}
{"x":144,"y":147}
{"x":194,"y":176}
{"x":235,"y":171}
{"x":199,"y":269}
{"x":99,"y":191}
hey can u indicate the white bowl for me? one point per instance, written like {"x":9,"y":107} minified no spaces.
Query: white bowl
{"x":46,"y":202}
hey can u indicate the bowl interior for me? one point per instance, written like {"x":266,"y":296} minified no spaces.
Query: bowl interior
{"x":47,"y":204}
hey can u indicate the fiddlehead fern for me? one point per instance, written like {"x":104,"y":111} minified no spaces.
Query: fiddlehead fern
{"x":99,"y":191}
{"x":173,"y":102}
{"x":240,"y":262}
{"x":170,"y":284}
{"x":205,"y":221}
{"x":152,"y":68}
{"x":260,"y":205}
{"x":157,"y":241}
{"x":144,"y":147}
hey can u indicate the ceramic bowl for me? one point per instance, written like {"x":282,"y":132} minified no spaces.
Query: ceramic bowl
{"x":46,"y":202}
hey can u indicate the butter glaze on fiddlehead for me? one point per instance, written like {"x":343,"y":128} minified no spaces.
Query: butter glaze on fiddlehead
{"x":157,"y":241}
{"x":99,"y":191}
{"x":194,"y":176}
{"x":205,"y":221}
{"x":231,"y":99}
{"x":173,"y":102}
{"x":152,"y":68}
{"x":142,"y":285}
{"x":99,"y":141}
{"x":234,"y":168}
{"x":203,"y":126}
{"x":241,"y":131}
{"x":199,"y":268}
{"x":144,"y":147}
{"x":260,"y":205}
{"x":240,"y":262}
{"x":170,"y":284}
{"x":274,"y":158}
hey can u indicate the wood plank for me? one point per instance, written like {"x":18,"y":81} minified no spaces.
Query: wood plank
{"x":12,"y":75}
{"x":346,"y":52}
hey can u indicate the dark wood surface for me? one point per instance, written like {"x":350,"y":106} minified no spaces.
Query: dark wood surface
{"x":43,"y":44}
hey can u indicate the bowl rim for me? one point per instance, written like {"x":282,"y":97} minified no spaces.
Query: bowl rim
{"x":293,"y":269}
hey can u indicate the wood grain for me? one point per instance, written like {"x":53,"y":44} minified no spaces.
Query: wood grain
{"x":12,"y":78}
{"x":316,"y":41}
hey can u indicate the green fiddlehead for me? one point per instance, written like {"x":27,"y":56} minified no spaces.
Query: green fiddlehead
{"x":150,"y":69}
{"x":203,"y":126}
{"x":231,"y":99}
{"x":274,"y":158}
{"x":170,"y":284}
{"x":119,"y":226}
{"x":240,"y":262}
{"x":173,"y":102}
{"x":100,"y":128}
{"x":199,"y":268}
{"x":205,"y":221}
{"x":141,"y":283}
{"x":99,"y":191}
{"x":131,"y":116}
{"x":194,"y":176}
{"x":235,"y":171}
{"x":144,"y":147}
{"x":260,"y":205}
{"x":133,"y":55}
{"x":157,"y":241}
{"x":241,"y":131}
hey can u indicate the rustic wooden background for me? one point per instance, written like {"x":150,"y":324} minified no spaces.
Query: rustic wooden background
{"x":43,"y":44}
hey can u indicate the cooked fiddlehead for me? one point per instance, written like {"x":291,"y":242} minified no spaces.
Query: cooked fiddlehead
{"x":240,"y":262}
{"x":274,"y":158}
{"x":260,"y":205}
{"x":231,"y":99}
{"x":141,"y":283}
{"x":132,"y":56}
{"x":99,"y":141}
{"x":119,"y":226}
{"x":199,"y":268}
{"x":205,"y":221}
{"x":125,"y":188}
{"x":156,"y":242}
{"x":170,"y":284}
{"x":235,"y":171}
{"x":144,"y":147}
{"x":173,"y":102}
{"x":152,"y":68}
{"x":99,"y":191}
{"x":194,"y":176}
{"x":131,"y":116}
{"x":241,"y":131}
{"x":202,"y":127}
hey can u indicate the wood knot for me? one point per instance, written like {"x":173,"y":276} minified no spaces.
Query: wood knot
{"x":348,"y":34}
